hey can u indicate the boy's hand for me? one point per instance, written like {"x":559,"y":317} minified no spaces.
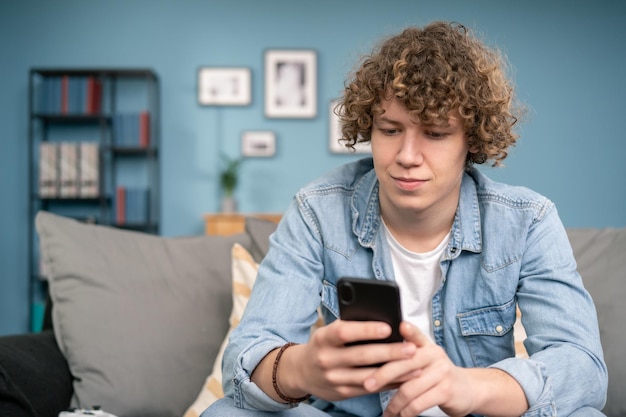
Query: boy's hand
{"x":328,"y":369}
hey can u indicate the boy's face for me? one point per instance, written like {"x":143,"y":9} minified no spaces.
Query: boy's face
{"x":419,"y":168}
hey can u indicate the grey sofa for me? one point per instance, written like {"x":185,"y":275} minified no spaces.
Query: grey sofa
{"x":139,"y":319}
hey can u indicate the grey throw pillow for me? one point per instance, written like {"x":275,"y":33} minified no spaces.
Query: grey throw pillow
{"x":139,"y":318}
{"x":601,"y":262}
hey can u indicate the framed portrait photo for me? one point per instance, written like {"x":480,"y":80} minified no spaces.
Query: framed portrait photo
{"x":290,"y":83}
{"x":334,"y":134}
{"x":224,"y":86}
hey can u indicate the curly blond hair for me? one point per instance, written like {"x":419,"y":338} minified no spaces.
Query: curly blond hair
{"x":434,"y":71}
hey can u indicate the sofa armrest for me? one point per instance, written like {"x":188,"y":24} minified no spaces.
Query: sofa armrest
{"x":35,"y":379}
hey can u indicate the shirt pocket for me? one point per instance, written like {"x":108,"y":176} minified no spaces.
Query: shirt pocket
{"x":488,"y":332}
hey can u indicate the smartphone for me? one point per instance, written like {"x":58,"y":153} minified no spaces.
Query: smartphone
{"x":371,"y":300}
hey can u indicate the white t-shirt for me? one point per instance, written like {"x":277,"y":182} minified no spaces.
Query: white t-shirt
{"x":419,"y":276}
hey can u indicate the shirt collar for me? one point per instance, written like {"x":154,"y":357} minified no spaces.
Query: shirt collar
{"x":466,"y":229}
{"x":366,"y":207}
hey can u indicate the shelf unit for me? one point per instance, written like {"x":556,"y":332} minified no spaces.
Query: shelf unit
{"x":120,"y":92}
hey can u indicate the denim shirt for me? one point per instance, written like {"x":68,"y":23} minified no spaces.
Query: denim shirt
{"x":507,"y":247}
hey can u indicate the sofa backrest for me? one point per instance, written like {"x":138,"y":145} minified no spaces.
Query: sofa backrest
{"x":601,"y":258}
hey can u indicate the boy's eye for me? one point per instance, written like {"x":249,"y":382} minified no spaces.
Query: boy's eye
{"x":436,"y":134}
{"x":389,"y":132}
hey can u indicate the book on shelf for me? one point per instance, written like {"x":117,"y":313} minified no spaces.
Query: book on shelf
{"x":48,"y":170}
{"x":131,"y":130}
{"x":144,"y":129}
{"x":64,"y":94}
{"x":50,"y":100}
{"x":94,"y":96}
{"x":131,"y":205}
{"x":137,"y":205}
{"x":68,"y":167}
{"x":89,"y":169}
{"x":120,"y":205}
{"x":75,"y":95}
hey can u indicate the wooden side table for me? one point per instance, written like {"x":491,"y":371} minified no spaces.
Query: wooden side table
{"x":226,"y":224}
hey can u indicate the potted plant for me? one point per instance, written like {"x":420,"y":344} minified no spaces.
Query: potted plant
{"x":228,"y":181}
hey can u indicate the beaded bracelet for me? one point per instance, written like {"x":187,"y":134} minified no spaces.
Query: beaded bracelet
{"x":275,"y":378}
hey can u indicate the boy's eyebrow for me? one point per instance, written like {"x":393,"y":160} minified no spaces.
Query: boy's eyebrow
{"x":443,"y":124}
{"x":385,"y":119}
{"x":440,"y":124}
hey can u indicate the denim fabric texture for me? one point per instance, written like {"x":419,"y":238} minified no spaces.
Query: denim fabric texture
{"x":507,"y":247}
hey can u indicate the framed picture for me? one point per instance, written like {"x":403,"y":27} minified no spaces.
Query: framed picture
{"x":290,"y":83}
{"x":224,"y":86}
{"x":335,"y":134}
{"x":258,"y":143}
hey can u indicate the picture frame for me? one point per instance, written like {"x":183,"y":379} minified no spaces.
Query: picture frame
{"x":334,"y":134}
{"x":290,"y":83}
{"x":224,"y":86}
{"x":258,"y":143}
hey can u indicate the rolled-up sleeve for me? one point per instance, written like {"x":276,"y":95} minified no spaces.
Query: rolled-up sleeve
{"x":245,"y":393}
{"x":282,"y":308}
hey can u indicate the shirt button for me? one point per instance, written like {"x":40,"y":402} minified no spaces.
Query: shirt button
{"x":499,"y":328}
{"x":437,"y":323}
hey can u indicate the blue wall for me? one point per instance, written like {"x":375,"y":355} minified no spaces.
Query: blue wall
{"x":567,"y":57}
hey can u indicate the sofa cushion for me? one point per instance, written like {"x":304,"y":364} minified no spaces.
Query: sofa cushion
{"x":601,"y":262}
{"x":139,"y":317}
{"x":244,"y":274}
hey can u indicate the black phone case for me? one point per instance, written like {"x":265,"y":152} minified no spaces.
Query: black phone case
{"x":371,"y":300}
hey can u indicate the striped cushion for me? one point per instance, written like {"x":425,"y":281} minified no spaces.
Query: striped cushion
{"x":519,"y":334}
{"x":244,"y":270}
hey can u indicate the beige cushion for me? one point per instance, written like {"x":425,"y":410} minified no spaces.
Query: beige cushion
{"x":244,"y":270}
{"x":519,"y":335}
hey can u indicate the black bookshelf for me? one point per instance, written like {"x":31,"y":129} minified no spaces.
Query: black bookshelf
{"x":120,"y":91}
